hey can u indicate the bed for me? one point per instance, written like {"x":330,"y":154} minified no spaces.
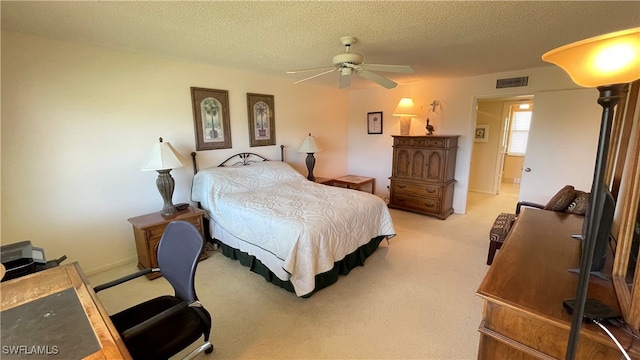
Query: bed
{"x":297,"y":234}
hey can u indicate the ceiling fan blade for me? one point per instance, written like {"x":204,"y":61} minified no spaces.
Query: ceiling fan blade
{"x":315,"y":76}
{"x":307,"y":70}
{"x":380,"y":80}
{"x":403,"y":69}
{"x":345,"y":81}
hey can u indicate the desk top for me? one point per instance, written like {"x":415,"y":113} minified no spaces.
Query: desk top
{"x":530,"y":278}
{"x":66,"y":291}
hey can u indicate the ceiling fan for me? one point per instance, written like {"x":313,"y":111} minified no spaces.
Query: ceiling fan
{"x":350,"y":63}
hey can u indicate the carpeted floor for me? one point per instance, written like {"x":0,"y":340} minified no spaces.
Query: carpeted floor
{"x":413,"y":299}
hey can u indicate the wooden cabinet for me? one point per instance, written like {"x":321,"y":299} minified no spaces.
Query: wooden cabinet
{"x":422,"y":177}
{"x":148,"y":230}
{"x":523,"y":290}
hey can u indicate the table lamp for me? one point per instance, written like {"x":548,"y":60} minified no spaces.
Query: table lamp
{"x":606,"y":62}
{"x":406,"y":110}
{"x":309,"y":146}
{"x":163,"y":158}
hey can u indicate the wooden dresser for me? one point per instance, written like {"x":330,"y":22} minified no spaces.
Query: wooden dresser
{"x":422,"y":177}
{"x":522,"y":313}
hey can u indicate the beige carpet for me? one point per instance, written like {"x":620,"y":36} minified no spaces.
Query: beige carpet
{"x":413,"y":299}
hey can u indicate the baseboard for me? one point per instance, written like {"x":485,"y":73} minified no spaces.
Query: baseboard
{"x":111,"y":266}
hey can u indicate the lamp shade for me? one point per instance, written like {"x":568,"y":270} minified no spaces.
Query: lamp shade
{"x":163,"y":156}
{"x":309,"y":145}
{"x":405,"y":108}
{"x":602,"y":60}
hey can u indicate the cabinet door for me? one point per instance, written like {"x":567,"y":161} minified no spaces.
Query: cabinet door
{"x":434,"y":165}
{"x":402,"y":163}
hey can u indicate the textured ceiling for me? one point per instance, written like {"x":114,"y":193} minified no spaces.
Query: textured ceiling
{"x":436,"y":38}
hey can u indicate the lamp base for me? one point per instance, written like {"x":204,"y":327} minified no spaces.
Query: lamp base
{"x":166,"y":185}
{"x":405,"y":125}
{"x":311,"y":162}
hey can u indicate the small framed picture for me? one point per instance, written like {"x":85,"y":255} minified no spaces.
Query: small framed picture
{"x":482,"y":133}
{"x":262,"y":121}
{"x":374,"y":122}
{"x":211,"y":118}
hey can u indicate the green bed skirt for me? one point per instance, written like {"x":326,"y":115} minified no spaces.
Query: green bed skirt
{"x":323,"y":280}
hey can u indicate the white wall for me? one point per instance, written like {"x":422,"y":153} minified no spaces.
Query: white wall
{"x":77,"y":121}
{"x":371,"y":155}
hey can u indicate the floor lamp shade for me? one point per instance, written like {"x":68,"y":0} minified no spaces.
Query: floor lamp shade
{"x":606,"y":62}
{"x":163,"y":158}
{"x":406,"y":110}
{"x":309,"y":146}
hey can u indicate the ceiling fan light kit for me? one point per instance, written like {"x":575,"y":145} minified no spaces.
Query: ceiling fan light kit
{"x":349,"y":63}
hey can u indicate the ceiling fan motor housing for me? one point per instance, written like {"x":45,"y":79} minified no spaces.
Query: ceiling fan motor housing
{"x":347,"y":58}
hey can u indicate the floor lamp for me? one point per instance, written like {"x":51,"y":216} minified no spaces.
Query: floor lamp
{"x":163,"y":158}
{"x":606,"y":62}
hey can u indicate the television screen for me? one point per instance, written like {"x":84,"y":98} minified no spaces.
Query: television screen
{"x":602,"y":222}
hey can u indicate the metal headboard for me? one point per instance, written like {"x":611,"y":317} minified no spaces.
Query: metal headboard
{"x":240,"y":159}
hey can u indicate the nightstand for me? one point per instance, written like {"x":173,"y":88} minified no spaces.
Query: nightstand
{"x":355,"y":182}
{"x":148,"y":230}
{"x":322,"y":180}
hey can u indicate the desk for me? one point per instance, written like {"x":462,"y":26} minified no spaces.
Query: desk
{"x":522,"y":313}
{"x":67,"y":293}
{"x":354,"y":182}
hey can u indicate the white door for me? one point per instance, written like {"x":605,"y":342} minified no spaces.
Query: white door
{"x":563,"y":141}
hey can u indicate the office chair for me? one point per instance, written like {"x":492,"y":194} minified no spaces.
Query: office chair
{"x":161,"y":327}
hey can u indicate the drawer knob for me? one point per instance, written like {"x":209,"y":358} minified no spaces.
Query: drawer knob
{"x":402,"y":186}
{"x":429,"y":205}
{"x":431,"y":191}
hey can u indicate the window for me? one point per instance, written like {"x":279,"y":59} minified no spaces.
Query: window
{"x":519,"y":132}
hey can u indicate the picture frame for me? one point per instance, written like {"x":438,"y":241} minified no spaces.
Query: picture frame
{"x":482,"y":133}
{"x":211,"y":118}
{"x":374,"y":122}
{"x":262,"y":120}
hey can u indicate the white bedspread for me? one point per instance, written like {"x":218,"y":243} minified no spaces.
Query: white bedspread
{"x":308,"y":226}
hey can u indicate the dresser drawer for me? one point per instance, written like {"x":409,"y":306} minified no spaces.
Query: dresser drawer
{"x":421,"y":142}
{"x":419,"y":203}
{"x":422,"y":190}
{"x":155,"y":232}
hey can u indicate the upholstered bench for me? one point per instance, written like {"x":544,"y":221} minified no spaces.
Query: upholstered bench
{"x":568,"y":200}
{"x":498,"y":233}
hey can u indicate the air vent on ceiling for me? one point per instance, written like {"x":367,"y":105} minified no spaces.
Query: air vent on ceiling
{"x":520,"y":81}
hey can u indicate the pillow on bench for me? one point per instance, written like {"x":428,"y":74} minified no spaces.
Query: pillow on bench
{"x":561,"y":200}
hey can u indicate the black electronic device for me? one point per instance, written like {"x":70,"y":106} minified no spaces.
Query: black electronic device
{"x":21,"y":258}
{"x":601,"y":227}
{"x":182,"y":206}
{"x":593,"y":309}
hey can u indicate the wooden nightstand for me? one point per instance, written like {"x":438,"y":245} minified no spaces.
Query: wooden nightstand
{"x":323,"y":180}
{"x":355,"y":182}
{"x":148,"y":230}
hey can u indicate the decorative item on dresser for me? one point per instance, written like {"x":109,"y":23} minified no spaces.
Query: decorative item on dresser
{"x":148,"y":230}
{"x":406,"y":110}
{"x":422,"y":177}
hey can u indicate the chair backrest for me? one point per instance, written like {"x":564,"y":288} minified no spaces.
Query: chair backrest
{"x":178,"y":253}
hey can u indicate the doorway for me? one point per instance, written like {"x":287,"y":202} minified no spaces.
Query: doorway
{"x":497,"y":157}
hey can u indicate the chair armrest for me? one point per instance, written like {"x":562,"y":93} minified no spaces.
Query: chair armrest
{"x":529,"y":204}
{"x":149,"y":323}
{"x":124,"y":279}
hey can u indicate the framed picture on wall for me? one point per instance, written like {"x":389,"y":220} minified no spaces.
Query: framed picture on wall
{"x":262,"y":121}
{"x":482,"y":133}
{"x":211,"y":118}
{"x":374,"y":122}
